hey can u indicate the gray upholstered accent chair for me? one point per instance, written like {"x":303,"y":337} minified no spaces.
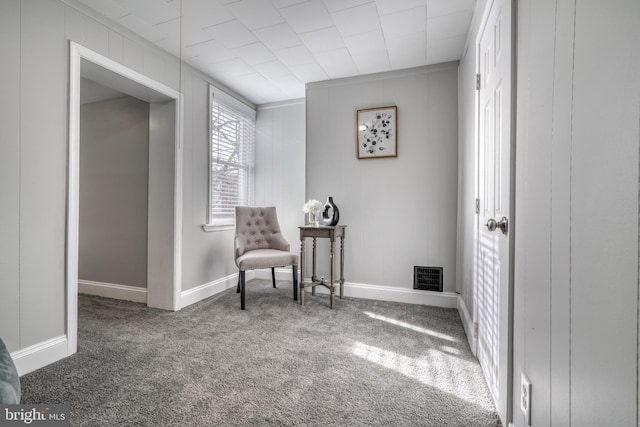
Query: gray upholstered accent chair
{"x":259,"y":243}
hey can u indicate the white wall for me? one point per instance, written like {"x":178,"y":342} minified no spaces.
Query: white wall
{"x":576,"y":284}
{"x":34,"y":36}
{"x":400,"y":212}
{"x":576,"y":228}
{"x":114,"y":175}
{"x":280,"y":164}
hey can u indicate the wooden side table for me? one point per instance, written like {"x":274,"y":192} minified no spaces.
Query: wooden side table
{"x":326,"y":232}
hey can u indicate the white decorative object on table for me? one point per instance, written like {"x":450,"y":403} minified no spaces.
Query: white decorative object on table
{"x":313,"y":208}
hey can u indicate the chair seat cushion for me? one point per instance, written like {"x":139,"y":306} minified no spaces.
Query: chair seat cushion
{"x":265,"y":258}
{"x":9,"y":379}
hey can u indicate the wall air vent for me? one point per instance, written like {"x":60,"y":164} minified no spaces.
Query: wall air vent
{"x":427,"y":278}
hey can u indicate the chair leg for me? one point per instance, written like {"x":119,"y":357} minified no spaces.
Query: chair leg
{"x":242,"y":290}
{"x":238,"y":287}
{"x":295,"y":282}
{"x":273,"y":276}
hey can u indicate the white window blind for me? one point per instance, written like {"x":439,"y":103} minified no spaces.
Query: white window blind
{"x":232,"y":161}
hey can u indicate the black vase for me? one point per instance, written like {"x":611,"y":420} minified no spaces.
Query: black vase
{"x":333,"y":218}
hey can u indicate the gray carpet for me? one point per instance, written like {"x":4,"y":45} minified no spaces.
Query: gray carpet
{"x":364,"y":363}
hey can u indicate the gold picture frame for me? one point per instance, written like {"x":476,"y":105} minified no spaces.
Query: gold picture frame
{"x":377,"y":132}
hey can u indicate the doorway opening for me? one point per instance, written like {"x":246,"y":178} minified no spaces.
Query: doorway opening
{"x":164,"y":179}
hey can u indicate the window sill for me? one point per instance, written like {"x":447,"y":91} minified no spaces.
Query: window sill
{"x":218,"y":227}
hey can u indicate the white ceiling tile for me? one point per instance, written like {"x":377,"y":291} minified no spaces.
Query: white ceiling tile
{"x":254,"y":87}
{"x":285,"y":3}
{"x":323,"y":40}
{"x":150,"y":11}
{"x":335,"y":5}
{"x":169,"y":28}
{"x":295,"y":55}
{"x":213,"y":50}
{"x":444,"y":50}
{"x":278,"y":36}
{"x":141,"y":28}
{"x":337,"y":63}
{"x":407,"y":51}
{"x":357,"y":20}
{"x":192,"y":33}
{"x":311,"y":72}
{"x":231,"y":34}
{"x":109,"y":9}
{"x":290,"y":85}
{"x":403,"y":23}
{"x":254,"y":53}
{"x":368,"y":64}
{"x":267,"y":49}
{"x":205,"y":13}
{"x":232,"y":67}
{"x":390,"y":6}
{"x":369,"y":52}
{"x":272,"y":69}
{"x":364,"y":43}
{"x":445,"y":7}
{"x":255,"y":14}
{"x":445,"y":26}
{"x":308,"y":16}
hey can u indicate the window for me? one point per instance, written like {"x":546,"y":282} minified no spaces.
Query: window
{"x":232,"y":157}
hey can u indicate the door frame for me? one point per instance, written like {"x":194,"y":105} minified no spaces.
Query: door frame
{"x":505,"y":379}
{"x":166,"y":295}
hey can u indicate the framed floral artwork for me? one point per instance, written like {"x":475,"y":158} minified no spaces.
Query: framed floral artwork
{"x":377,"y":132}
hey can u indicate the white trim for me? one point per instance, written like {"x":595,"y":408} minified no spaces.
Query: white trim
{"x":112,"y":290}
{"x":77,"y":53}
{"x":193,"y":295}
{"x":73,"y":198}
{"x":280,"y":104}
{"x":40,"y":355}
{"x":177,"y":203}
{"x":467,"y":323}
{"x":377,"y":292}
{"x":218,"y":227}
{"x":383,"y":75}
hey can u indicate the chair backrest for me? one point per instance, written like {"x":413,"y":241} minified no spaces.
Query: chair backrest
{"x":257,"y":227}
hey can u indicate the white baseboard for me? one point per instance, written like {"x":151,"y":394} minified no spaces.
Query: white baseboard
{"x":467,"y":322}
{"x":111,"y":290}
{"x":193,"y":295}
{"x":40,"y":355}
{"x":377,"y":292}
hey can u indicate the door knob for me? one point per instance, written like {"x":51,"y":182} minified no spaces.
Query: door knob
{"x":503,"y":225}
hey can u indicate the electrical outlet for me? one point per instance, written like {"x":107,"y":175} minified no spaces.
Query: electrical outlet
{"x":525,"y":398}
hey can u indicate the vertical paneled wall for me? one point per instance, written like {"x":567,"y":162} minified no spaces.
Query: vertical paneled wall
{"x":576,"y":227}
{"x":206,"y":256}
{"x":10,"y":173}
{"x":576,"y":279}
{"x":400,"y":212}
{"x":34,"y":38}
{"x":280,"y":164}
{"x":42,"y":183}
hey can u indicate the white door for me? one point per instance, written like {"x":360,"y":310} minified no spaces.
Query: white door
{"x":494,"y":186}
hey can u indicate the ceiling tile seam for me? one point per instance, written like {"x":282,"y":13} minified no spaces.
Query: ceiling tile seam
{"x":164,"y":22}
{"x":220,"y":23}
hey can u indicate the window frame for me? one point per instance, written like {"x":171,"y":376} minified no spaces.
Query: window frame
{"x":227,"y":221}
